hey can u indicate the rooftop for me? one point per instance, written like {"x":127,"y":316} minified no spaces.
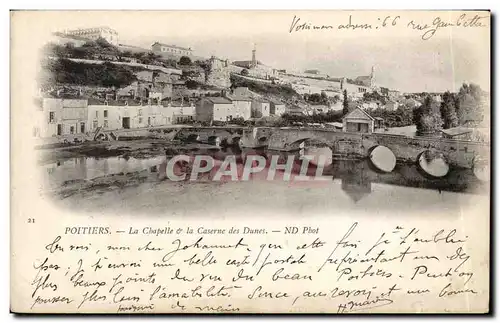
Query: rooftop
{"x":218,"y":100}
{"x":171,"y":46}
{"x":457,"y":131}
{"x":235,"y":97}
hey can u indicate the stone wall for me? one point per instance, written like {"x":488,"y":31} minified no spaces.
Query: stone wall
{"x":218,"y":74}
{"x":205,"y":132}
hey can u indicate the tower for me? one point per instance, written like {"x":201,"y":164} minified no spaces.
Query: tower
{"x":254,"y":59}
{"x":372,"y":76}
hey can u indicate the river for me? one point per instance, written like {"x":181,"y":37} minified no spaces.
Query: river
{"x":131,"y":185}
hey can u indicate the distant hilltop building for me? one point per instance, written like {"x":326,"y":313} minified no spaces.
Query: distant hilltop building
{"x":315,"y":72}
{"x":110,"y":35}
{"x":171,"y":49}
{"x":256,"y":68}
{"x":367,"y":80}
{"x":219,"y":73}
{"x":249,"y":64}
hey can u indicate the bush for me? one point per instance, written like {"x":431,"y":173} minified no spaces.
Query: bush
{"x":191,"y":84}
{"x":185,"y":60}
{"x":106,"y":75}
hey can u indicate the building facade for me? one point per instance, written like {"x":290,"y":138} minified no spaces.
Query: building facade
{"x":182,"y":114}
{"x":214,"y":109}
{"x":110,"y":35}
{"x":219,"y":73}
{"x":260,"y":108}
{"x":277,"y":108}
{"x":171,"y":49}
{"x":242,"y":106}
{"x":58,"y":117}
{"x":358,"y":120}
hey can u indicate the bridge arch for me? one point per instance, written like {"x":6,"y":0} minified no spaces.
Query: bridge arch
{"x":433,"y":164}
{"x":214,"y":140}
{"x":481,"y":168}
{"x":382,"y":158}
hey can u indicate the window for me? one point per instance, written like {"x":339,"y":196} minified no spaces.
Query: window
{"x":105,"y":123}
{"x":71,"y":130}
{"x":94,"y":124}
{"x":52,"y":117}
{"x":97,"y":114}
{"x":140,"y":112}
{"x":140,"y":120}
{"x":105,"y":113}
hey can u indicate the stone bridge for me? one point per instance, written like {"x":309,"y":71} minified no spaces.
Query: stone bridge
{"x":211,"y":135}
{"x":456,"y":152}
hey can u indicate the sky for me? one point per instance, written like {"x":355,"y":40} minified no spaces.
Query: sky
{"x":402,"y":60}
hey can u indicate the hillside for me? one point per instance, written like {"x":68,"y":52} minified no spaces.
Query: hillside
{"x":281,"y":92}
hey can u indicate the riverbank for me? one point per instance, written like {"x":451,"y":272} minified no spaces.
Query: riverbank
{"x":141,"y":149}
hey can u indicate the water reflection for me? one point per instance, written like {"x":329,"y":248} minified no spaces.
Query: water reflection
{"x":355,"y":176}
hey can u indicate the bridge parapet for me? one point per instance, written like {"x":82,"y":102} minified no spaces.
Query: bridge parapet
{"x":457,"y":152}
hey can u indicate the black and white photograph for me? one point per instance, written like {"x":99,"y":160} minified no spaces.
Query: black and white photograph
{"x":217,"y":161}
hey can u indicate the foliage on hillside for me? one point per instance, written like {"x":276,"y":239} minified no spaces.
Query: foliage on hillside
{"x":262,"y":88}
{"x":64,"y":71}
{"x":102,"y":50}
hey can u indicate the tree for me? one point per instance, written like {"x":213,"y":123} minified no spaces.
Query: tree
{"x":244,"y":72}
{"x":468,"y":103}
{"x":185,"y":60}
{"x":427,"y":117}
{"x":191,"y":84}
{"x":324,"y":97}
{"x":448,"y":111}
{"x":345,"y":104}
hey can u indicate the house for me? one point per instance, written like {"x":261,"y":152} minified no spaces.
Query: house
{"x":241,"y":91}
{"x":109,"y":34}
{"x":214,"y":109}
{"x":181,"y":113}
{"x":370,"y":105}
{"x":358,"y":120}
{"x":277,"y":107}
{"x":145,"y":76}
{"x":391,"y":106}
{"x":260,"y":108}
{"x":171,"y":49}
{"x":62,"y":117}
{"x":242,"y":106}
{"x":103,"y":115}
{"x":379,"y":122}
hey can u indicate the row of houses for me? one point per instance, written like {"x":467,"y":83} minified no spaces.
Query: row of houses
{"x":59,"y":117}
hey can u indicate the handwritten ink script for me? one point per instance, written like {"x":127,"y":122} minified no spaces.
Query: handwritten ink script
{"x":242,"y":269}
{"x":426,"y":29}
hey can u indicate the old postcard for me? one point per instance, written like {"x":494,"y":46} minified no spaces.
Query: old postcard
{"x":250,"y":161}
